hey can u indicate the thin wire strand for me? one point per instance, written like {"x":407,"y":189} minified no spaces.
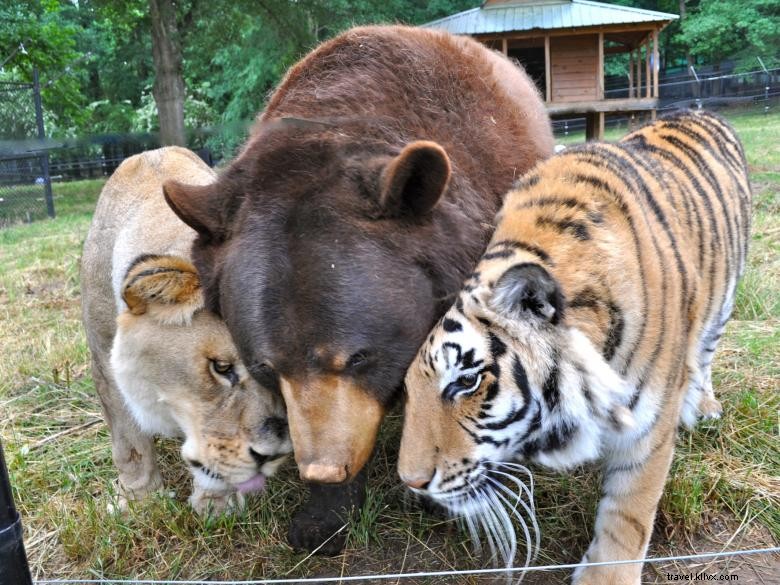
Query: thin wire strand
{"x":399,"y":576}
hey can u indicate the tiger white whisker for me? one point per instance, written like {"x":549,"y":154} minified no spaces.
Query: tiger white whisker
{"x":531,"y":511}
{"x":529,"y":544}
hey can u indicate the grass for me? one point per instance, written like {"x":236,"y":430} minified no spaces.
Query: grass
{"x":723,"y":491}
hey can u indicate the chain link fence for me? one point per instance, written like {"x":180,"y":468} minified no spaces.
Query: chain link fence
{"x":25,"y":184}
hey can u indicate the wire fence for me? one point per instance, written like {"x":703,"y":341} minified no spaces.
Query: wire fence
{"x":25,"y":182}
{"x":417,"y":575}
{"x":705,"y":87}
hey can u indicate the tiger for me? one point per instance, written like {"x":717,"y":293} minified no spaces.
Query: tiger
{"x":586,"y":331}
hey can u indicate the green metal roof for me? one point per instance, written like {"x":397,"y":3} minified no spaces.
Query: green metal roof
{"x":526,"y":16}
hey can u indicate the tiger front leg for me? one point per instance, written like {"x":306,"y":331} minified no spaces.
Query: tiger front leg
{"x":632,"y":486}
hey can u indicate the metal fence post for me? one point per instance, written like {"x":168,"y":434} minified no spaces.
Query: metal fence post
{"x":42,"y":138}
{"x":13,"y":560}
{"x":766,"y":85}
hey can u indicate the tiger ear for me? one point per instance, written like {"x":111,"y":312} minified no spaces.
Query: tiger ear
{"x":528,"y":290}
{"x":165,"y":287}
{"x":413,"y":182}
{"x":199,"y":206}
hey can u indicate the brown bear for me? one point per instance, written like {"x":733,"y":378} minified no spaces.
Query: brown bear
{"x":344,"y":228}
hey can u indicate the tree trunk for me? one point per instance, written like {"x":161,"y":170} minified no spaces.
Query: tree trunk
{"x":168,"y":87}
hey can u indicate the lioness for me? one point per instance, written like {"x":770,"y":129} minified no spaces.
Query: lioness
{"x":162,"y":364}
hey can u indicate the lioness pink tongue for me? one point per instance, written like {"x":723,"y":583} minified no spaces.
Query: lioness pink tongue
{"x":255,"y":484}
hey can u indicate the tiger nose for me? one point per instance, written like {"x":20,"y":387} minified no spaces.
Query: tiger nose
{"x":419,"y":483}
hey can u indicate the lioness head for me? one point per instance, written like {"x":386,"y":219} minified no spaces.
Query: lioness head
{"x":180,"y":374}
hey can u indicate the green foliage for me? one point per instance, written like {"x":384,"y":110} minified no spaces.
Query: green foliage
{"x":49,"y":42}
{"x":95,"y":56}
{"x":741,"y":29}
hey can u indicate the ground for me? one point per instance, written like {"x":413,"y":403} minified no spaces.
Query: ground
{"x":723,"y":492}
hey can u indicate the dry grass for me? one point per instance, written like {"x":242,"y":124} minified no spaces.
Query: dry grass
{"x":724,"y":488}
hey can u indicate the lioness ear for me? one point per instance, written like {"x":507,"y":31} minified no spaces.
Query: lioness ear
{"x":199,"y":206}
{"x":166,"y":287}
{"x":413,"y":182}
{"x":528,"y":290}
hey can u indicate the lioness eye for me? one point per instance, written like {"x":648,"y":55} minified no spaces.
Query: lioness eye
{"x":226,"y":370}
{"x":222,"y":368}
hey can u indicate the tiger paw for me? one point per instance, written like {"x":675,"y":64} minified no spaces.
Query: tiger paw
{"x":709,"y":408}
{"x":606,"y":576}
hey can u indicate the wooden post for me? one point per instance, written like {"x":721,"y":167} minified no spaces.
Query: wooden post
{"x":638,"y":62}
{"x":631,"y":74}
{"x":656,"y":64}
{"x":647,"y":66}
{"x":547,"y":68}
{"x":600,"y":91}
{"x":594,"y":126}
{"x":505,"y":46}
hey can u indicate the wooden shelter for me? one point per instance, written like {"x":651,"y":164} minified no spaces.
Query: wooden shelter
{"x":562,"y":45}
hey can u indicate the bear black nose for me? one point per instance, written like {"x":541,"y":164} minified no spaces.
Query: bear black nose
{"x":277,"y":426}
{"x":259,"y":459}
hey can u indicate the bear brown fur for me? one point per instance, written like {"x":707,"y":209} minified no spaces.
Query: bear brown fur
{"x":363,"y":197}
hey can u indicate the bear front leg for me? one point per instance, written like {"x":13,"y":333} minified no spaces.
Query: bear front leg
{"x":316,"y":524}
{"x":132,"y":451}
{"x":632,"y":486}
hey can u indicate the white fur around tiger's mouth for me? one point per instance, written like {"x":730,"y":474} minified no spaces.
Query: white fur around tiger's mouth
{"x":485,"y":502}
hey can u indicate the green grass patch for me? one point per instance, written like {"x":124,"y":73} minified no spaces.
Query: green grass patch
{"x":59,"y":451}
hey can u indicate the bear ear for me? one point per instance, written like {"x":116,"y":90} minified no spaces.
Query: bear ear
{"x":528,"y":290}
{"x":413,"y":182}
{"x":198,"y":206}
{"x":165,"y":287}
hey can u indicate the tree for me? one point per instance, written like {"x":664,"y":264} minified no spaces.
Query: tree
{"x":169,"y":79}
{"x":738,"y":29}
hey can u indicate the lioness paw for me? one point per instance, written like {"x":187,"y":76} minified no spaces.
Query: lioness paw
{"x":216,"y":503}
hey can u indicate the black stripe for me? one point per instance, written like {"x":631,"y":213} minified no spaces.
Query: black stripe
{"x":586,"y":298}
{"x":516,"y":245}
{"x":550,"y":390}
{"x":525,"y":182}
{"x":149,"y":272}
{"x":559,"y":436}
{"x":614,"y":333}
{"x":569,"y":202}
{"x":497,"y":347}
{"x":576,"y":228}
{"x":450,"y":325}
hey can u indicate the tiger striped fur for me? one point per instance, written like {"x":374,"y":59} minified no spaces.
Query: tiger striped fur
{"x":587,"y":330}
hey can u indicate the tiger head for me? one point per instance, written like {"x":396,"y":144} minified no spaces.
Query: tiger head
{"x":501,"y":378}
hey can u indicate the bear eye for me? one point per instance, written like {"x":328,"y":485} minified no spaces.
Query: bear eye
{"x":357,"y":359}
{"x":264,"y":373}
{"x":226,"y":370}
{"x":466,"y":383}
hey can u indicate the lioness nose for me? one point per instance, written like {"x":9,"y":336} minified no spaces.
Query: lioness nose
{"x":323,"y":473}
{"x":419,"y":483}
